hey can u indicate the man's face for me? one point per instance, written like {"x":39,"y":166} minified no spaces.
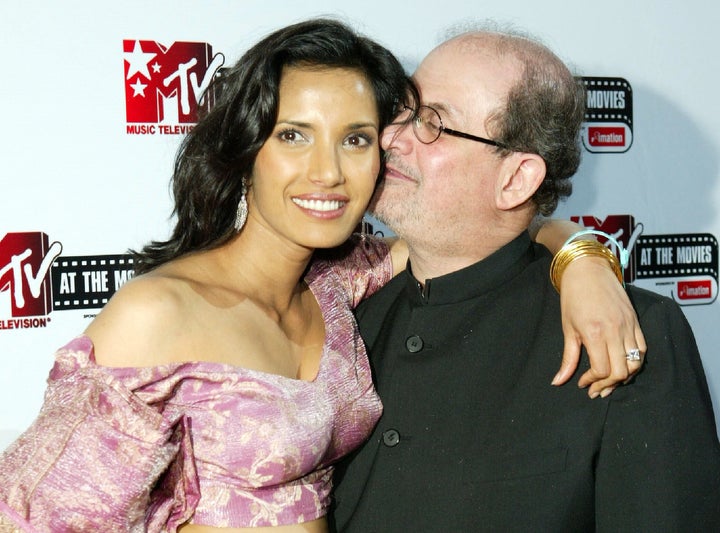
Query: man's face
{"x":442,"y":194}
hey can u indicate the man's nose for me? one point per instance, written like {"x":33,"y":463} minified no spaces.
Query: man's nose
{"x":398,"y":135}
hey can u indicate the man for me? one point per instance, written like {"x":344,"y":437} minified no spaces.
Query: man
{"x":472,"y":438}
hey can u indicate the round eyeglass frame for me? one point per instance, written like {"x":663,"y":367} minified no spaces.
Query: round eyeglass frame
{"x":428,"y":132}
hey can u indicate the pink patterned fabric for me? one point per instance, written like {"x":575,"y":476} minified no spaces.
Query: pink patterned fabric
{"x":136,"y":449}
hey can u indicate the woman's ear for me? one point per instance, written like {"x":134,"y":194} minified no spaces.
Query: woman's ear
{"x":522,"y":174}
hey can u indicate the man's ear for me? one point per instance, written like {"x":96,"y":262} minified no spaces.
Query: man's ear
{"x":522,"y":174}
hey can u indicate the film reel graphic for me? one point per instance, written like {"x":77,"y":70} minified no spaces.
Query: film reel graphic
{"x":608,"y":126}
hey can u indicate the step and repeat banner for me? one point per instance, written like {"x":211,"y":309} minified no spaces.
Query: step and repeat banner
{"x":97,"y":96}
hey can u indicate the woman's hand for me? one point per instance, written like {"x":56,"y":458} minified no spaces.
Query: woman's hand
{"x":596,"y":313}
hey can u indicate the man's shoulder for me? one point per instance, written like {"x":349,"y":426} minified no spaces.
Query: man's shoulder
{"x":645,"y":301}
{"x":371,"y":313}
{"x":382,"y":298}
{"x":669,"y":336}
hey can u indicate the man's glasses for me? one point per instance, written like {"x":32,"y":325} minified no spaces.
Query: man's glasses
{"x":427,"y":127}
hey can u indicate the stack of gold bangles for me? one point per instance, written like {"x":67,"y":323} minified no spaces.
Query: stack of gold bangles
{"x":573,"y":250}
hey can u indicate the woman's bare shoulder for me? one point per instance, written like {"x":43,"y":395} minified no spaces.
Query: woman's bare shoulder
{"x":139,"y":325}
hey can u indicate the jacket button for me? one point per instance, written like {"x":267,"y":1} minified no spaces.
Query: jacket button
{"x":414,"y":344}
{"x":391,"y":438}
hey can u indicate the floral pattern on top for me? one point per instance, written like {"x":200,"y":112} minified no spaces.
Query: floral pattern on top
{"x":148,"y":449}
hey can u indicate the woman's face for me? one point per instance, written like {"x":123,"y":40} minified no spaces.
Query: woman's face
{"x":314,"y":176}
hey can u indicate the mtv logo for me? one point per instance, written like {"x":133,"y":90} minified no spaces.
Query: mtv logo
{"x":622,"y":228}
{"x":166,"y":85}
{"x":25,"y":262}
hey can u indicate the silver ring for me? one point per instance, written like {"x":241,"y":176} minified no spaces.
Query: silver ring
{"x":633,"y":355}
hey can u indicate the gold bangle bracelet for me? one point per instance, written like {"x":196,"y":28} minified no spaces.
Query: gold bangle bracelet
{"x":581,"y":248}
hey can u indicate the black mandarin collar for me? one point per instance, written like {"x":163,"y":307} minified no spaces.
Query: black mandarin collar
{"x":475,"y":279}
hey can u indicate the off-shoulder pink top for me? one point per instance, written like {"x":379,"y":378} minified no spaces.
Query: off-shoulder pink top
{"x":136,"y":449}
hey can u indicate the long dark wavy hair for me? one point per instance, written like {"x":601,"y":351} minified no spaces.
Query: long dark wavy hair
{"x":220,"y":151}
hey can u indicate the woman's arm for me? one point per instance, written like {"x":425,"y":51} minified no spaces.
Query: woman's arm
{"x":596,"y":312}
{"x":98,"y":456}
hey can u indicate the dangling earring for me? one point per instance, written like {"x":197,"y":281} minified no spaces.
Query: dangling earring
{"x":365,"y":228}
{"x":242,"y":210}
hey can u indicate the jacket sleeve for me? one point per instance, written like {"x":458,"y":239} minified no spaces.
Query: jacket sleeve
{"x":659,"y":465}
{"x":98,"y":459}
{"x":362,"y":266}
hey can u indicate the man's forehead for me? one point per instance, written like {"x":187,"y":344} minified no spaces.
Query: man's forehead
{"x":439,"y":84}
{"x":462,"y":80}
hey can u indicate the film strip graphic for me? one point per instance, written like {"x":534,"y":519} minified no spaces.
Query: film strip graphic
{"x":686,"y":265}
{"x":88,"y":282}
{"x":608,"y":125}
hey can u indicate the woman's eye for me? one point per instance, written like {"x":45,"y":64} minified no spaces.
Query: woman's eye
{"x":290,"y":136}
{"x":358,"y":139}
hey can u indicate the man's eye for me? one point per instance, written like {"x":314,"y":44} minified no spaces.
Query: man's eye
{"x":432,"y":125}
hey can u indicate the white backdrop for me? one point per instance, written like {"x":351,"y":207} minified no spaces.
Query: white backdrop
{"x":70,"y":170}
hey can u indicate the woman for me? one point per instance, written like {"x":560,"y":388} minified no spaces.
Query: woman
{"x":216,"y":389}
